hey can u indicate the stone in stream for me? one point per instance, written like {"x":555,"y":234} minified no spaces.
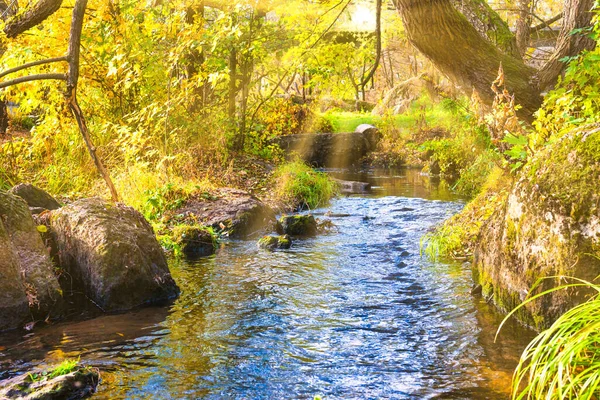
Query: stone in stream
{"x":275,"y":242}
{"x":195,"y":241}
{"x":298,"y":225}
{"x":112,"y":252}
{"x":353,"y":187}
{"x":27,"y":272}
{"x":78,"y":384}
{"x":231,"y":212}
{"x":37,"y":199}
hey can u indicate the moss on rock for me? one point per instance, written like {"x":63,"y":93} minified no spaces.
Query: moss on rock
{"x":195,"y":240}
{"x":275,"y":242}
{"x":548,"y":226}
{"x":298,"y":225}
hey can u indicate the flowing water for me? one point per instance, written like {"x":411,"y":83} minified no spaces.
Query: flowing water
{"x":353,"y":314}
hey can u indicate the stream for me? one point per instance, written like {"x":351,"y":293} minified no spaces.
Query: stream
{"x":357,"y":313}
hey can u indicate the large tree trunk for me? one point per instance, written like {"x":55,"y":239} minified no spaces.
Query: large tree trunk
{"x":444,"y":35}
{"x":489,"y":24}
{"x":450,"y":41}
{"x":577,"y":15}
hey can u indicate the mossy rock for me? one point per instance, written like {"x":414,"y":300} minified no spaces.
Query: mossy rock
{"x":112,"y":254}
{"x":78,"y":384}
{"x":35,"y":197}
{"x":275,"y":242}
{"x":548,"y":226}
{"x":298,"y":225}
{"x":194,"y":240}
{"x":21,"y":247}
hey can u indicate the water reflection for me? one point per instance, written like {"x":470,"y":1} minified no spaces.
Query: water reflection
{"x":350,"y":315}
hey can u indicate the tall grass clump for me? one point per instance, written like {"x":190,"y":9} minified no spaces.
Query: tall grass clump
{"x":563,"y":362}
{"x":297,"y":184}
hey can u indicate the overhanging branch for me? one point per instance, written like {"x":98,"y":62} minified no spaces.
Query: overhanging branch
{"x":39,"y":77}
{"x":32,"y":64}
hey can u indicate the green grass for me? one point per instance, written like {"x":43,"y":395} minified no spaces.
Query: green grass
{"x":562,"y":362}
{"x":423,"y":111}
{"x":299,"y":184}
{"x":64,"y":368}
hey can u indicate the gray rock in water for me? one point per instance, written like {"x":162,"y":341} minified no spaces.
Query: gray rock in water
{"x":353,"y":187}
{"x":23,"y":248}
{"x":35,"y":197}
{"x":232,"y":212}
{"x":111,"y":250}
{"x":298,"y":225}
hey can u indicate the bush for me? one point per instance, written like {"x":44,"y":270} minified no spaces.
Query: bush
{"x":298,"y":184}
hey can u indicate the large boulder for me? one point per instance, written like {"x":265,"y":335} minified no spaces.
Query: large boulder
{"x":13,"y":300}
{"x":548,"y":226}
{"x":35,"y":197}
{"x":112,"y":252}
{"x":231,"y":212}
{"x":30,"y":256}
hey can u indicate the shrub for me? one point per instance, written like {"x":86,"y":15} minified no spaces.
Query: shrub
{"x":298,"y":184}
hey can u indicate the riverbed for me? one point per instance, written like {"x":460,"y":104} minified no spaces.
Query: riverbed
{"x":357,"y":313}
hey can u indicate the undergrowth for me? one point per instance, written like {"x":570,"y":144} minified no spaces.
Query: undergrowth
{"x":457,"y":236}
{"x":299,"y":185}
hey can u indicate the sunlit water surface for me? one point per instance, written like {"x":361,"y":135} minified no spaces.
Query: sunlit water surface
{"x":354,"y":314}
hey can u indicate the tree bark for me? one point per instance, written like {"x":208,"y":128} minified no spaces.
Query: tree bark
{"x":524,"y":19}
{"x":32,"y":17}
{"x":489,"y":24}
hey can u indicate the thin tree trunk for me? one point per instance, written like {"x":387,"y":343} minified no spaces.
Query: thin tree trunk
{"x":71,"y":94}
{"x":3,"y":118}
{"x":524,"y":19}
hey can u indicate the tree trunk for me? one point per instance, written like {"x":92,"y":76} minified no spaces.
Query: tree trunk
{"x":577,"y":15}
{"x":448,"y":39}
{"x":525,"y":8}
{"x":71,"y":94}
{"x":489,"y":24}
{"x":3,"y":118}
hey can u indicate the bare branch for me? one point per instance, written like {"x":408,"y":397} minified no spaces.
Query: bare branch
{"x":546,"y":24}
{"x":32,"y":64}
{"x":378,"y":46}
{"x":39,"y":77}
